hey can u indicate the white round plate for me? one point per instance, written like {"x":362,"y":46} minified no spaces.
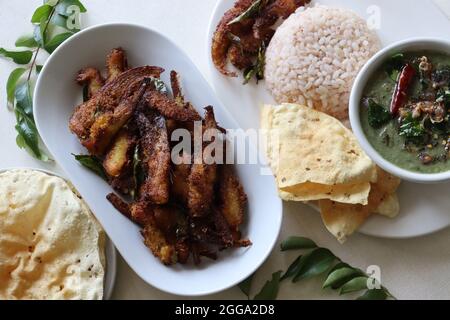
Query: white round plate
{"x":55,"y":98}
{"x":110,"y":250}
{"x":424,"y":208}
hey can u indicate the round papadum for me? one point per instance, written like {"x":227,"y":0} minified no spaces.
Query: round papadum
{"x":51,"y":247}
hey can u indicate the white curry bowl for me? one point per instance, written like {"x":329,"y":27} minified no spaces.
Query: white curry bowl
{"x":372,"y":66}
{"x":55,"y":98}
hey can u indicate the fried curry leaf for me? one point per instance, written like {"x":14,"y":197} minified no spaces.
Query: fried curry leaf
{"x":256,"y":70}
{"x":377,"y":115}
{"x":294,"y":243}
{"x":245,"y":285}
{"x":19,"y":57}
{"x":412,"y":129}
{"x":160,"y":86}
{"x":92,"y":163}
{"x":254,"y":9}
{"x":138,"y":175}
{"x":270,"y":289}
{"x":395,"y":65}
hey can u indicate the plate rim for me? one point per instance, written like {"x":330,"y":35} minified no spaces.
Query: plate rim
{"x":110,"y":250}
{"x":231,"y":119}
{"x":213,"y":20}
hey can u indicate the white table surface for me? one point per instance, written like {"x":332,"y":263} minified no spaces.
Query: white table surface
{"x":412,"y":269}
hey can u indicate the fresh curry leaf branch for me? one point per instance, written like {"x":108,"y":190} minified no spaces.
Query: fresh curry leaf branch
{"x":318,"y":261}
{"x":54,"y":22}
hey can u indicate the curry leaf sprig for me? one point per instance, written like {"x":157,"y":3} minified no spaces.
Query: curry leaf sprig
{"x":317,"y":261}
{"x":53,"y":23}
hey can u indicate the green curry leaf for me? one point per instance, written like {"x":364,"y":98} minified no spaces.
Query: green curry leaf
{"x":270,"y":289}
{"x":26,"y":41}
{"x":412,"y":129}
{"x":11,"y":84}
{"x":53,"y":43}
{"x":43,"y":12}
{"x":314,"y":263}
{"x":294,"y":243}
{"x":19,"y":57}
{"x":92,"y":163}
{"x":377,"y":115}
{"x":246,"y":285}
{"x":374,"y":294}
{"x":395,"y":65}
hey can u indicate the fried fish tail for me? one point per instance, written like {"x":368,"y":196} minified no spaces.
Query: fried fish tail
{"x":155,"y":240}
{"x":203,"y":176}
{"x":116,"y":63}
{"x":155,"y":150}
{"x":92,"y":79}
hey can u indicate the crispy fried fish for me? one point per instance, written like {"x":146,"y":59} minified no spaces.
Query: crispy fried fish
{"x":169,"y":107}
{"x":203,"y":176}
{"x":96,"y":121}
{"x":221,"y":40}
{"x":180,"y":173}
{"x":92,"y":79}
{"x":116,"y":63}
{"x":120,"y":154}
{"x":232,"y":198}
{"x":155,"y":154}
{"x":164,"y":228}
{"x":277,"y":9}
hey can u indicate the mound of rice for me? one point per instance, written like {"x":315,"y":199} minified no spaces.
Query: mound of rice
{"x":315,"y":56}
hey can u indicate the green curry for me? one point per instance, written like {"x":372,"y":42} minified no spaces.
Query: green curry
{"x":405,"y":111}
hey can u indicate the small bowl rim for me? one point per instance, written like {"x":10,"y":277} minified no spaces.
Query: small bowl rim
{"x":359,"y":84}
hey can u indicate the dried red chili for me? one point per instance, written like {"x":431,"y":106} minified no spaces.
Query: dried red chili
{"x":401,"y":89}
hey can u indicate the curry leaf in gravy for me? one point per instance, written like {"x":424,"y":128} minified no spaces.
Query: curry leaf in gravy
{"x":394,"y":65}
{"x":412,"y":129}
{"x":377,"y":114}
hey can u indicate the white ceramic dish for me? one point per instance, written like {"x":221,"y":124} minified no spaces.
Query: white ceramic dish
{"x":419,"y":215}
{"x":372,"y":66}
{"x":55,"y":97}
{"x":110,"y":251}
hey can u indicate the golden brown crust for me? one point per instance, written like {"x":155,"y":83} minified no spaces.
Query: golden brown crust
{"x":249,"y":34}
{"x":238,"y":58}
{"x":177,"y":91}
{"x":155,"y":153}
{"x":232,"y":197}
{"x":203,"y":176}
{"x":169,"y":108}
{"x":109,"y":109}
{"x":116,"y":63}
{"x":155,"y":240}
{"x":179,"y":182}
{"x":120,"y":154}
{"x":91,"y":78}
{"x":221,"y":39}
